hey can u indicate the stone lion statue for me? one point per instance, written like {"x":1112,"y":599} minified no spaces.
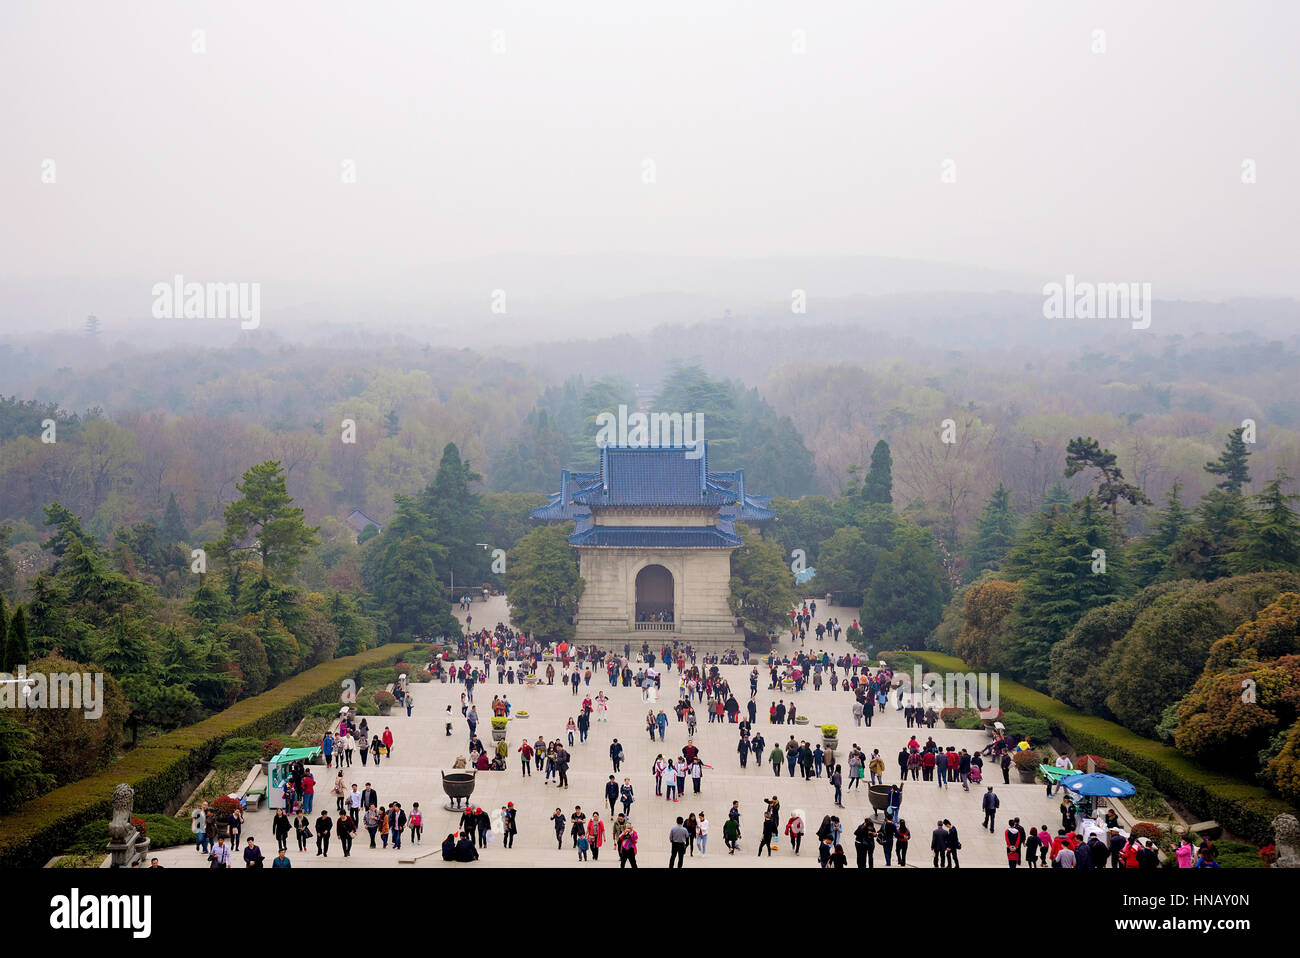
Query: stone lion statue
{"x":1286,"y":836}
{"x":120,"y":828}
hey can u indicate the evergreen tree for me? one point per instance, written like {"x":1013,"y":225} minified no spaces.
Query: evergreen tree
{"x":457,"y":515}
{"x":8,"y":571}
{"x":879,"y":484}
{"x":1271,"y":536}
{"x":173,"y":526}
{"x":4,"y":638}
{"x":762,"y":590}
{"x":1087,"y":453}
{"x":21,"y":777}
{"x":1153,"y":557}
{"x":1053,"y":561}
{"x":16,"y":650}
{"x":1232,"y":463}
{"x":1204,"y":549}
{"x":263,"y":521}
{"x":1057,"y":496}
{"x":543,"y":585}
{"x":905,"y":600}
{"x":995,"y":533}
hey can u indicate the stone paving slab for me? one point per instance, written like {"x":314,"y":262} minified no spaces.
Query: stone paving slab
{"x":422,"y":750}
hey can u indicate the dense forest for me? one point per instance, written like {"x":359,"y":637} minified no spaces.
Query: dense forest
{"x":204,"y":524}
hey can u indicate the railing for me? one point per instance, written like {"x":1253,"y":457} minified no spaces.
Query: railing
{"x":656,"y":626}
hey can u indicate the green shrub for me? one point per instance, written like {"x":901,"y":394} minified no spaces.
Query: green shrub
{"x":1029,"y":759}
{"x":365,"y":705}
{"x":159,"y":768}
{"x":1237,"y":855}
{"x":164,"y":831}
{"x":499,"y":721}
{"x":1025,"y":727}
{"x":385,"y":699}
{"x":1243,"y":808}
{"x":969,"y":719}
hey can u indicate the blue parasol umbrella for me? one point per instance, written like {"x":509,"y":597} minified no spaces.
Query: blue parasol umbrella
{"x":1096,"y":785}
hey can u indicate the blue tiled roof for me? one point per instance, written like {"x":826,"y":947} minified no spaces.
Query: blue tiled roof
{"x":649,"y":477}
{"x":662,"y":476}
{"x":662,"y":537}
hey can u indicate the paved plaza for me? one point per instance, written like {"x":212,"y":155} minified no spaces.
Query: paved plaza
{"x":422,"y":750}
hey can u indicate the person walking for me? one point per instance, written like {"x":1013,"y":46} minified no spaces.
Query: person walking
{"x":616,"y":754}
{"x":302,"y":829}
{"x":731,"y":834}
{"x":627,"y":847}
{"x":344,"y":829}
{"x":372,"y":823}
{"x":559,"y":821}
{"x":324,"y":829}
{"x":837,"y":781}
{"x":794,"y":829}
{"x":702,"y":833}
{"x":939,"y":845}
{"x":677,"y":839}
{"x":596,"y":835}
{"x":990,"y":803}
{"x":611,"y":795}
{"x":769,"y":833}
{"x":954,"y":844}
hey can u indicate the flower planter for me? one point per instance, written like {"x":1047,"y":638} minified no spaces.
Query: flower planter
{"x":521,"y":714}
{"x":498,"y":734}
{"x":801,"y":720}
{"x":1027,"y":775}
{"x":830,"y":744}
{"x":787,"y":685}
{"x":385,"y":709}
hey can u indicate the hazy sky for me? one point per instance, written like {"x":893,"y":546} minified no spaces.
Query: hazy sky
{"x":226,"y":165}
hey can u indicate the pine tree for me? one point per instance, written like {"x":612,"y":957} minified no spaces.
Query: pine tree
{"x":1271,"y":536}
{"x":1232,"y":463}
{"x":263,"y":521}
{"x":1087,"y":453}
{"x":173,"y":526}
{"x":16,"y":650}
{"x":995,"y":533}
{"x":1153,"y":557}
{"x":879,"y":484}
{"x":1054,"y":562}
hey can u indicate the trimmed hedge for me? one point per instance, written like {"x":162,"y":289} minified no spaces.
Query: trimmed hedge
{"x":160,"y":767}
{"x":1243,"y":808}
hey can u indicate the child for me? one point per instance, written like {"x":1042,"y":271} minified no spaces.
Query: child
{"x":416,"y":821}
{"x":583,"y":844}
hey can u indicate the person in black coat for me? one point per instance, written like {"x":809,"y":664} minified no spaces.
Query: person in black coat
{"x":280,"y":828}
{"x":449,"y":849}
{"x":611,"y":794}
{"x":939,"y":845}
{"x":954,"y":844}
{"x":465,"y":850}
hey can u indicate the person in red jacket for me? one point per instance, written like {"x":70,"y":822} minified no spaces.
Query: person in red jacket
{"x":927,"y":766}
{"x":595,"y":835}
{"x":308,"y":791}
{"x":388,"y":740}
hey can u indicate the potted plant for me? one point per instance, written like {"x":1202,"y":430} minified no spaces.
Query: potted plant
{"x":787,"y":685}
{"x":1026,"y":762}
{"x":385,"y":701}
{"x":223,"y":807}
{"x":499,"y":728}
{"x":521,"y":713}
{"x":830,"y":736}
{"x":949,"y":717}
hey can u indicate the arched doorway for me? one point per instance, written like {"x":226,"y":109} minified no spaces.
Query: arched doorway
{"x":654,"y":595}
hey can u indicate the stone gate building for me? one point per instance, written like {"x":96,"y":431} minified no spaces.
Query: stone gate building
{"x":654,"y":530}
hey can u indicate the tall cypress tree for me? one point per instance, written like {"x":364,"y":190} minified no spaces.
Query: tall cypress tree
{"x":995,"y":533}
{"x":173,"y":526}
{"x":16,"y":651}
{"x":879,"y":484}
{"x":1271,"y":537}
{"x":1232,"y":463}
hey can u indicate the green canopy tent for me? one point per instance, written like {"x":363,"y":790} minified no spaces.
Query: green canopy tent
{"x":278,"y":768}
